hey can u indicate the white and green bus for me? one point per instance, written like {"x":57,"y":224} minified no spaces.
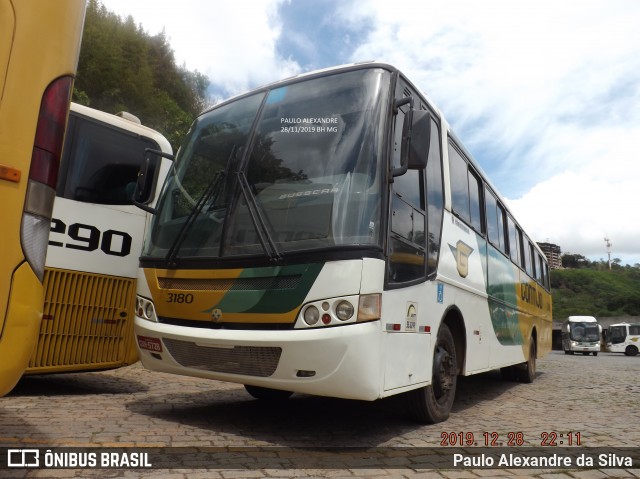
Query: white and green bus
{"x":623,"y":338}
{"x":581,"y":334}
{"x":329,"y":235}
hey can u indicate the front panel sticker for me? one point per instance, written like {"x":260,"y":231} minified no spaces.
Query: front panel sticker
{"x":412,"y":317}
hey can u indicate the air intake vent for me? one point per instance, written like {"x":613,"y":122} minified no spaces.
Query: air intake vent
{"x":245,"y":360}
{"x":87,"y":322}
{"x":235,"y":284}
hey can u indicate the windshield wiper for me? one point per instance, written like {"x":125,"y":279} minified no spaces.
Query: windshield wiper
{"x":210,"y":193}
{"x":266,"y":240}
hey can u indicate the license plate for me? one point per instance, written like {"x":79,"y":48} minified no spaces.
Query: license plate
{"x":150,"y":344}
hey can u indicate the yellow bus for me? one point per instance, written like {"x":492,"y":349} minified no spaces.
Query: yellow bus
{"x":39,"y":47}
{"x":95,"y":242}
{"x":329,"y":234}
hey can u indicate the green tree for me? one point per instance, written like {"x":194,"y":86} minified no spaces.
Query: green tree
{"x":121,"y":67}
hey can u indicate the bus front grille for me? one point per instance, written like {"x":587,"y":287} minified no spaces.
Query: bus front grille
{"x":245,"y":360}
{"x":87,"y":323}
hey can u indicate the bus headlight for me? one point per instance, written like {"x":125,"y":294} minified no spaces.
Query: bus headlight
{"x":311,"y":315}
{"x":145,"y":309}
{"x":339,"y":311}
{"x":344,"y":310}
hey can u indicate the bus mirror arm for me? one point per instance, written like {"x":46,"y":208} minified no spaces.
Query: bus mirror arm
{"x":145,"y":184}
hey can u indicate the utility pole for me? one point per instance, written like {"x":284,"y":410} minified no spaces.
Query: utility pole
{"x":608,"y":243}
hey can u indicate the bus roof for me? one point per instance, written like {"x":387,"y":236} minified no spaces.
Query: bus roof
{"x":123,"y":123}
{"x":582,"y":319}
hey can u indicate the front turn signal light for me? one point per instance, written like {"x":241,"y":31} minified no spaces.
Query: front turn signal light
{"x":369,"y":307}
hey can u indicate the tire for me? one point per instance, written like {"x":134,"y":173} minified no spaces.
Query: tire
{"x":595,"y":353}
{"x":267,"y":394}
{"x":631,"y":351}
{"x":567,"y":352}
{"x":432,"y":404}
{"x":527,"y":370}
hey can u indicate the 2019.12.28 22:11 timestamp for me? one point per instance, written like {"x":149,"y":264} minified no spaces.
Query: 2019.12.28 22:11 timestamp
{"x":509,"y":439}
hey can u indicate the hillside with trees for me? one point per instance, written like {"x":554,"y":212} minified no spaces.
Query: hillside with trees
{"x":591,"y":288}
{"x":123,"y":68}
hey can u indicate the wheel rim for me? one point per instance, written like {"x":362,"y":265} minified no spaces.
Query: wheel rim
{"x":443,"y":378}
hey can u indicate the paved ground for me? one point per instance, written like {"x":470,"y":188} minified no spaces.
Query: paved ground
{"x":597,"y":397}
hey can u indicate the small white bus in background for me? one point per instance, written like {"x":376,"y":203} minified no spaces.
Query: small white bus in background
{"x":95,"y":242}
{"x":581,"y":334}
{"x":624,"y":338}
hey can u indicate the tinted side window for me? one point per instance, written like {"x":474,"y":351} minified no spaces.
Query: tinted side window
{"x":540,"y":272}
{"x":502,"y":231}
{"x":514,"y":241}
{"x":475,"y":204}
{"x":435,"y":199}
{"x":407,"y":243}
{"x":495,"y":221}
{"x":459,"y":184}
{"x":532,"y":256}
{"x":100,"y":163}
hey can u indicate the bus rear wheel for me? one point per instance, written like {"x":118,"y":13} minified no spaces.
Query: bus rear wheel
{"x":267,"y":394}
{"x":631,"y":351}
{"x":432,"y":404}
{"x":527,"y":370}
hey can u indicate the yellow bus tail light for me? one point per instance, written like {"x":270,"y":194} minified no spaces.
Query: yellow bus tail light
{"x":43,"y":174}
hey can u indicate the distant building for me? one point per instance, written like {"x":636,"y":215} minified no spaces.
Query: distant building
{"x":553,"y":254}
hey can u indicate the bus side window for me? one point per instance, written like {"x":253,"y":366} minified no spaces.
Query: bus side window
{"x":408,"y":219}
{"x":459,"y":184}
{"x":475,"y":205}
{"x":100,"y":163}
{"x":502,"y":230}
{"x":514,"y":244}
{"x":435,"y":199}
{"x":495,"y":221}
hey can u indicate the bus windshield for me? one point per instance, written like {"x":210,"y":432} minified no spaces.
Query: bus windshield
{"x":293,"y":168}
{"x":585,"y":332}
{"x":617,"y":334}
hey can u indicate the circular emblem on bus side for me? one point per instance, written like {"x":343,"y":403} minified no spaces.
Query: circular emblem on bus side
{"x":216,"y":315}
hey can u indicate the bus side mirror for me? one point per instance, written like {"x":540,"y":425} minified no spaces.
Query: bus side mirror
{"x":419,"y":141}
{"x":147,"y":175}
{"x":416,"y":132}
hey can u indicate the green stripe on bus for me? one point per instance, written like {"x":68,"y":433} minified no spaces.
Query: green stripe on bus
{"x":271,"y":301}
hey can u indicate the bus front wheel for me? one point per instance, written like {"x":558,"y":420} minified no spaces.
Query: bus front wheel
{"x":432,"y":404}
{"x":631,"y":351}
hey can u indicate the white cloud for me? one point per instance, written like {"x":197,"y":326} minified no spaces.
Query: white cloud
{"x":544,"y":94}
{"x":233,"y":43}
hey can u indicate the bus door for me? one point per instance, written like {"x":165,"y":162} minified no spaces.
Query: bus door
{"x":407,"y":342}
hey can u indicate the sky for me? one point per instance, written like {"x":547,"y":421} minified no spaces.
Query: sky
{"x":545,"y":94}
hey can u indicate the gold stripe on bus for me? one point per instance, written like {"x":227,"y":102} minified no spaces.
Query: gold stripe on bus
{"x":180,"y":293}
{"x":194,"y":295}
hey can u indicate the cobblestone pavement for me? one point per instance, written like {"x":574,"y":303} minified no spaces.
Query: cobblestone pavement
{"x":597,"y":397}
